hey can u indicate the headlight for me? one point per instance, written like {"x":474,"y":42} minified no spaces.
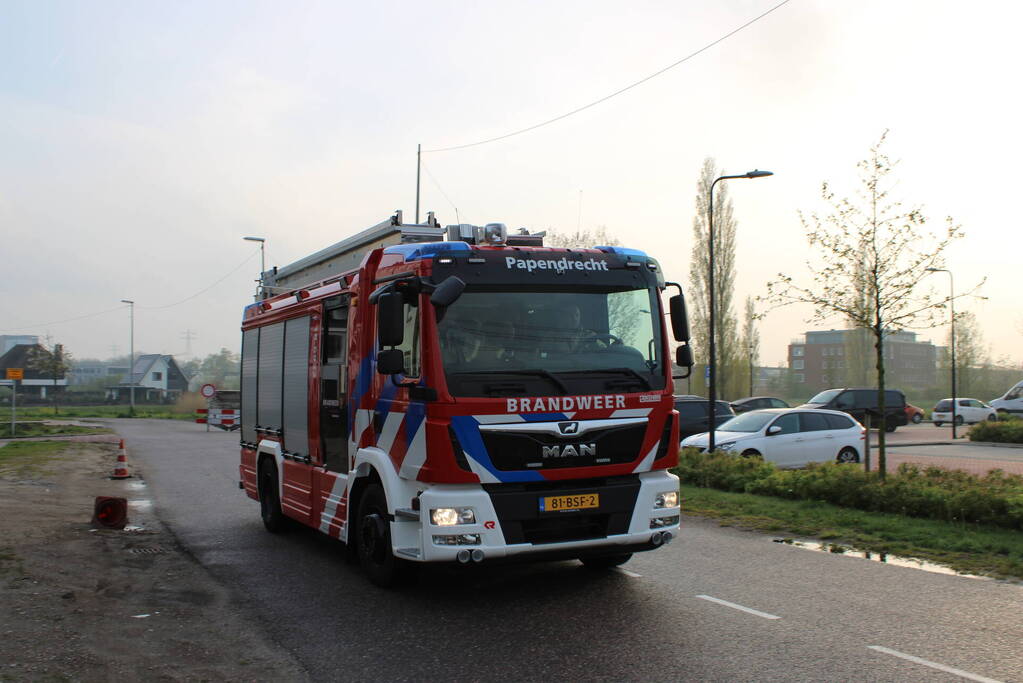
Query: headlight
{"x":725,"y":446}
{"x":668,"y":499}
{"x":452,"y":516}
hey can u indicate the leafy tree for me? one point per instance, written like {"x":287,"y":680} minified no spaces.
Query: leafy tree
{"x":51,"y":363}
{"x":222,"y":369}
{"x":873,"y":253}
{"x":730,"y":375}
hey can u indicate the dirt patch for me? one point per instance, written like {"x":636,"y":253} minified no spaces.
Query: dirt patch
{"x":78,"y":603}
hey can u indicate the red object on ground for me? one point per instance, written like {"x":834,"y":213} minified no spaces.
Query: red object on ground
{"x":121,"y":468}
{"x":110,"y":512}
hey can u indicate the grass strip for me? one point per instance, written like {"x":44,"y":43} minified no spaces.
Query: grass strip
{"x":27,"y":459}
{"x":152,"y":412}
{"x":34,"y":429}
{"x":965,"y":547}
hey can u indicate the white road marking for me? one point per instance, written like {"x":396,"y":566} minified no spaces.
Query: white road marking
{"x":934,"y":665}
{"x":748,"y":610}
{"x":628,"y":573}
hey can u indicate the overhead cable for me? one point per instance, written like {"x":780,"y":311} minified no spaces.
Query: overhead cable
{"x":615,"y":93}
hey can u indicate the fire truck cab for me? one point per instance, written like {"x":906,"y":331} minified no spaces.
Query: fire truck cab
{"x":464,"y":395}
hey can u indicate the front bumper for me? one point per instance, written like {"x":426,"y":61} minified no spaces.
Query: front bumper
{"x":509,"y":525}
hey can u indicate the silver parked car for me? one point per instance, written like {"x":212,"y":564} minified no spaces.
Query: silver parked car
{"x":789,"y":437}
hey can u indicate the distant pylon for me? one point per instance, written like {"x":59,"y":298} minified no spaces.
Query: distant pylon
{"x":121,"y":468}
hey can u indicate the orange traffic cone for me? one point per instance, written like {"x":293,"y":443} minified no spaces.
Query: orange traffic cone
{"x":121,"y":468}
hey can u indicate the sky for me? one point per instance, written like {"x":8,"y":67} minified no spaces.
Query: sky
{"x":142,"y":140}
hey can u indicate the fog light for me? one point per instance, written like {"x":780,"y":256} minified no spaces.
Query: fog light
{"x":668,"y":499}
{"x":452,"y":516}
{"x":457,"y":539}
{"x":658,"y":522}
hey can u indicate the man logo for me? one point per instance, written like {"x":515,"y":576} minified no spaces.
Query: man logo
{"x":569,"y":427}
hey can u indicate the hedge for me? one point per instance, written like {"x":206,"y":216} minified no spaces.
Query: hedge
{"x":931,"y":492}
{"x":1008,"y":431}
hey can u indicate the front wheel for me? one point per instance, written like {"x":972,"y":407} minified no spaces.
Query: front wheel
{"x":751,"y":453}
{"x":270,"y":499}
{"x":917,"y":418}
{"x":889,"y":428}
{"x":938,"y":424}
{"x":605,"y":561}
{"x":374,"y":545}
{"x":992,"y":417}
{"x":848,"y":455}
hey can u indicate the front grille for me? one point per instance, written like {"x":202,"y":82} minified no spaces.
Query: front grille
{"x":524,"y":450}
{"x":518,"y":509}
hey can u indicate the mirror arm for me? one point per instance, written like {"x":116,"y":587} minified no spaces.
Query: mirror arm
{"x":675,"y":285}
{"x":689,"y":371}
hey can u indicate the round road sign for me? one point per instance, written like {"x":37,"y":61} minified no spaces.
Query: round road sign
{"x":208,"y":390}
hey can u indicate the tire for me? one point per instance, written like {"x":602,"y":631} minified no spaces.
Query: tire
{"x":605,"y":561}
{"x":848,"y":455}
{"x":374,"y":540}
{"x":959,"y":420}
{"x":992,"y":417}
{"x":917,"y":418}
{"x":270,"y":499}
{"x":751,"y":453}
{"x":938,"y":424}
{"x":889,"y":428}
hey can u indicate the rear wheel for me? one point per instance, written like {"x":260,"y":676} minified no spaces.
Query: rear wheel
{"x":938,"y":424}
{"x":917,"y":418}
{"x":959,"y":420}
{"x":848,"y":455}
{"x":270,"y":499}
{"x":605,"y":561}
{"x":374,"y":546}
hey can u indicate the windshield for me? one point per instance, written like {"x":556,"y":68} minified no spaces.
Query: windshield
{"x":519,"y":343}
{"x":825,"y":396}
{"x":747,"y":422}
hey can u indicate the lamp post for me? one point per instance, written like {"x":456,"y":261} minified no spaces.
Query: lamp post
{"x":262,"y":260}
{"x":131,"y":353}
{"x":952,"y":338}
{"x":712,"y":400}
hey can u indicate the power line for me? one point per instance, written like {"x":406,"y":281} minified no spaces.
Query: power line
{"x":203,"y":291}
{"x":443,"y":193}
{"x":67,"y":320}
{"x":615,"y":93}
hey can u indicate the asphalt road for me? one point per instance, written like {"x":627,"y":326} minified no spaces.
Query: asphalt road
{"x":678,"y":613}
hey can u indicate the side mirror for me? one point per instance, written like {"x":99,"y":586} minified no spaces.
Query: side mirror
{"x":684,"y":356}
{"x":390,"y":319}
{"x":773,"y":429}
{"x":447,"y":292}
{"x":391,"y":362}
{"x":679,"y":319}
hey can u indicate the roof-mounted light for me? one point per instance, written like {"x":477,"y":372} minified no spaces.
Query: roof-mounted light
{"x":495,"y":234}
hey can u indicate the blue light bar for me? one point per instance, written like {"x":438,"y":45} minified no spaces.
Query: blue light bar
{"x":415,"y":252}
{"x":629,"y":254}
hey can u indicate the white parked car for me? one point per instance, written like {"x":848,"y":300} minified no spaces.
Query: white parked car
{"x":1012,"y":402}
{"x":967,"y":410}
{"x":788,"y":437}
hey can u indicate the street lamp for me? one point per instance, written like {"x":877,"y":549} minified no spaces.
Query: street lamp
{"x":712,"y":400}
{"x":952,"y":338}
{"x":131,"y":353}
{"x":262,"y":258}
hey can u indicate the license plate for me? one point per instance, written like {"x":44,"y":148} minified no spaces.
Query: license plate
{"x":581,"y":501}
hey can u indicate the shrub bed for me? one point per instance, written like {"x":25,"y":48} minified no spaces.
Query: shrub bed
{"x":931,"y":492}
{"x":1007,"y":431}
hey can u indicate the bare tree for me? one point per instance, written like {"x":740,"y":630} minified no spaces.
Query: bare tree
{"x":598,"y":237}
{"x":873,"y":254}
{"x":750,"y":340}
{"x":972,"y":358}
{"x":53,"y":364}
{"x":730,"y":374}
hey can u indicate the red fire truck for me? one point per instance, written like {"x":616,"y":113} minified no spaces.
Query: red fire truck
{"x":459,"y":394}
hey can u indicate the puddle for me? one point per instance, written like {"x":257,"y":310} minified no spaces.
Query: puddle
{"x":137,"y":485}
{"x":135,"y":528}
{"x":885,"y":558}
{"x":141,"y":505}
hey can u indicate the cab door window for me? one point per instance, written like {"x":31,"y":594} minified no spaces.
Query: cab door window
{"x":410,"y":346}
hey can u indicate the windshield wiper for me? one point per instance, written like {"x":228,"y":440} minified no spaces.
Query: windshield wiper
{"x":622,"y":371}
{"x":546,"y":374}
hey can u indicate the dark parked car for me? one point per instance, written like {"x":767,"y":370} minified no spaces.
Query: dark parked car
{"x":861,"y":403}
{"x":692,"y":415}
{"x":743,"y":405}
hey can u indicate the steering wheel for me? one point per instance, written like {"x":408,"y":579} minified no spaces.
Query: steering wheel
{"x":607,"y":340}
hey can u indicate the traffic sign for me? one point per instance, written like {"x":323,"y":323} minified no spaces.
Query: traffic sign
{"x":16,"y":373}
{"x":208,"y":391}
